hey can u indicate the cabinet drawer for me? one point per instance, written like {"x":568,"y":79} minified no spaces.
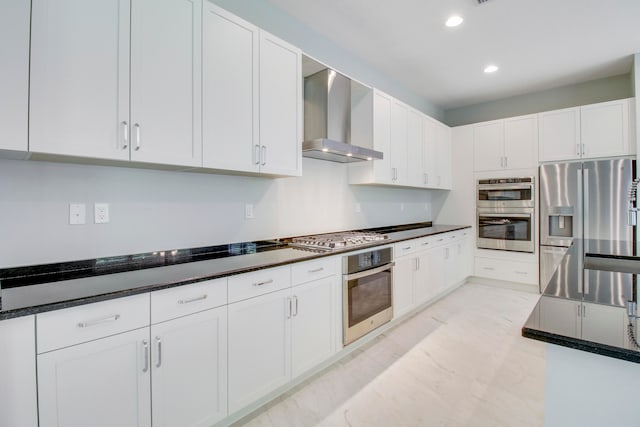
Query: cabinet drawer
{"x":261,"y":282}
{"x":182,"y":300}
{"x":70,"y":326}
{"x":312,"y":270}
{"x":405,"y":248}
{"x":513,"y":271}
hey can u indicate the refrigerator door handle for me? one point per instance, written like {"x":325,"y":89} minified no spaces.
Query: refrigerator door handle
{"x":585,"y":208}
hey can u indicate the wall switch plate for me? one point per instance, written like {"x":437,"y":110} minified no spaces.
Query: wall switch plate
{"x":77,"y":214}
{"x":101,"y":213}
{"x":248,"y":211}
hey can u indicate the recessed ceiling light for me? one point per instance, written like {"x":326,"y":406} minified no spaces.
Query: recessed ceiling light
{"x":454,"y":21}
{"x":491,"y":69}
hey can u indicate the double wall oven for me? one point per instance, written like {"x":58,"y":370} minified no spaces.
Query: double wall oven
{"x":506,"y":214}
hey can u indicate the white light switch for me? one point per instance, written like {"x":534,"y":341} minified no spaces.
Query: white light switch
{"x":77,"y":213}
{"x":248,"y":211}
{"x":101,"y":213}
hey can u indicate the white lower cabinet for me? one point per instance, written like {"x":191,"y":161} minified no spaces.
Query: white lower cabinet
{"x":18,"y":396}
{"x":189,"y":370}
{"x":427,"y":267}
{"x":277,"y":336}
{"x":604,"y":324}
{"x":507,"y":269}
{"x":101,"y":383}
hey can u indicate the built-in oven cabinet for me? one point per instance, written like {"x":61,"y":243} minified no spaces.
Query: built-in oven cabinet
{"x":506,"y":144}
{"x":597,"y":130}
{"x":18,"y":396}
{"x":290,"y":329}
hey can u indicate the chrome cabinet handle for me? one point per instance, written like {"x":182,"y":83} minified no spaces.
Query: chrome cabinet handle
{"x":501,"y":162}
{"x":95,"y":322}
{"x":506,"y":162}
{"x":425,"y":180}
{"x":290,"y":308}
{"x":370,"y":272}
{"x":187,"y":301}
{"x":317,"y":270}
{"x":159,"y":347}
{"x":584,"y":149}
{"x":137,"y":129}
{"x":266,"y":282}
{"x":425,"y":244}
{"x":263,"y":156}
{"x":145,"y":346}
{"x":577,"y":149}
{"x":417,"y":264}
{"x":125,"y":135}
{"x":295,"y":305}
{"x":256,"y":154}
{"x":488,"y":268}
{"x":406,"y":248}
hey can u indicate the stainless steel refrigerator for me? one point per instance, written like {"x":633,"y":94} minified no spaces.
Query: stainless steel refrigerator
{"x":587,"y":201}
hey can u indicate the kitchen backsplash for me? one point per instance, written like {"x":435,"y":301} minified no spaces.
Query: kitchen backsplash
{"x":151,"y":210}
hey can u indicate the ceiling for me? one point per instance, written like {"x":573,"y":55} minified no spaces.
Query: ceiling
{"x":538,"y":44}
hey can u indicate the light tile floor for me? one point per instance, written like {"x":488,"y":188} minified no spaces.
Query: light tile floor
{"x":459,"y":362}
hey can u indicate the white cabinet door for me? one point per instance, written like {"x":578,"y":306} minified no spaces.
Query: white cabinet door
{"x":259,"y":347}
{"x":18,"y":396}
{"x":435,"y":261}
{"x":521,"y":142}
{"x":280,"y":107}
{"x":14,"y":84}
{"x":313,"y":327}
{"x":423,"y":289}
{"x":430,"y":153}
{"x":230,"y":92}
{"x":403,"y":273}
{"x":559,"y":135}
{"x":382,"y":171}
{"x":488,"y":143}
{"x":101,"y":383}
{"x":604,"y":324}
{"x":166,"y":72}
{"x":415,"y":147}
{"x":560,"y":316}
{"x":189,"y":365}
{"x":443,"y":156}
{"x":79,"y":89}
{"x":604,"y":129}
{"x":398,"y":151}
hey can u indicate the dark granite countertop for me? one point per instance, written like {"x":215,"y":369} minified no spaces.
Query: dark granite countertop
{"x":573,"y":286}
{"x":34,"y":289}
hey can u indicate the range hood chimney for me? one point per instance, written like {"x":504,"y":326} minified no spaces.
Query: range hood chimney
{"x":327,"y":120}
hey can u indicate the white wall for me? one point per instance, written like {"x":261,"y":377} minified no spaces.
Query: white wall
{"x":155,"y":210}
{"x":600,"y":90}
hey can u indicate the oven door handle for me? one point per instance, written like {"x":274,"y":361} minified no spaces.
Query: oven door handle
{"x":370,"y":272}
{"x":505,"y":187}
{"x":505,"y":215}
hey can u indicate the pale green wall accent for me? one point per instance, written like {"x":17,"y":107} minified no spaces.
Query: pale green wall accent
{"x":606,"y":89}
{"x":283,"y":25}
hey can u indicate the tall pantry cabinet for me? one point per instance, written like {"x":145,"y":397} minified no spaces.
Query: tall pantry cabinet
{"x":117,"y":79}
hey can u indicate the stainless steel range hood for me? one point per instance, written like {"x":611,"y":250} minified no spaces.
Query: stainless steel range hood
{"x":327,"y":120}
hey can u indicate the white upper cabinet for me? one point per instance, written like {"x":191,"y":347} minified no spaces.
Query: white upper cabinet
{"x":589,"y":131}
{"x":252,"y":98}
{"x":604,"y":129}
{"x":280,"y":107}
{"x":166,"y":81}
{"x":416,"y":148}
{"x":559,"y":134}
{"x":14,"y":84}
{"x":398,"y":152}
{"x":230,"y":92}
{"x":506,"y":144}
{"x":81,"y":101}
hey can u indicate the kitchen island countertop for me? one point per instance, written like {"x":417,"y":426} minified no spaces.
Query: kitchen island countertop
{"x":35,"y":289}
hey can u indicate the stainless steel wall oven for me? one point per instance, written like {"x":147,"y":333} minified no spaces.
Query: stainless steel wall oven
{"x":506,"y":214}
{"x":367,"y":292}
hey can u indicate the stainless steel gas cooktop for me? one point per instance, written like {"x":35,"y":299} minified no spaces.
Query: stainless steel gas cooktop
{"x":331,"y":241}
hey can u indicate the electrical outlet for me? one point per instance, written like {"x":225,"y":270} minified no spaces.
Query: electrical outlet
{"x":101,"y":213}
{"x":77,"y":215}
{"x":248,"y":211}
